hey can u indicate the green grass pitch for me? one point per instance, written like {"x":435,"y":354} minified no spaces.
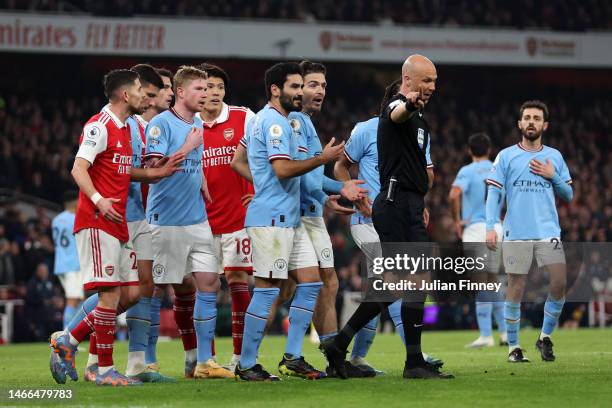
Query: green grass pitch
{"x":581,"y":376}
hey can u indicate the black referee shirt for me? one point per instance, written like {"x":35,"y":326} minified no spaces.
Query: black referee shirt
{"x":401,"y":149}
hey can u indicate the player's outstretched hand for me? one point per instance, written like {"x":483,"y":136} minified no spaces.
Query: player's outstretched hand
{"x":492,"y":240}
{"x":351,"y":190}
{"x":332,"y":204}
{"x":364,"y":206}
{"x":246,"y":199}
{"x":545,"y":170}
{"x":105,"y":205}
{"x":331,"y":152}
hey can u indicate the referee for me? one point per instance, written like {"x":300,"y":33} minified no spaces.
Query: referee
{"x":399,"y":212}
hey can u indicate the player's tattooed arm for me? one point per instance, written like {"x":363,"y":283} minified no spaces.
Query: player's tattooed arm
{"x":454,"y":196}
{"x":240,"y":163}
{"x":81,"y":176}
{"x":159,"y":169}
{"x":293,"y":168}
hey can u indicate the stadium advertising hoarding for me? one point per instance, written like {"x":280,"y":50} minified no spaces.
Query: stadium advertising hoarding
{"x":271,"y":40}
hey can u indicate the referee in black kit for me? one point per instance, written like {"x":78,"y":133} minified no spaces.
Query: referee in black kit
{"x":399,"y":211}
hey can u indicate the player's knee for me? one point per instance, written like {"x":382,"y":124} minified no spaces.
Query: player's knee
{"x":236,"y":277}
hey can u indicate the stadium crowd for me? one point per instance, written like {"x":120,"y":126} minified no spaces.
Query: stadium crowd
{"x":565,"y":15}
{"x":38,"y":140}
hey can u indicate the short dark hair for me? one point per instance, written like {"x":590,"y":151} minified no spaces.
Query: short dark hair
{"x":116,"y":79}
{"x":215,"y":71}
{"x":390,"y":91}
{"x":309,"y":67}
{"x":69,"y":196}
{"x":479,"y":144}
{"x":277,"y":75}
{"x":164,"y":72}
{"x":148,"y":75}
{"x":534,"y":103}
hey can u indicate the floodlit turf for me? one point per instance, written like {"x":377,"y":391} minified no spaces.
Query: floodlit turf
{"x":581,"y":376}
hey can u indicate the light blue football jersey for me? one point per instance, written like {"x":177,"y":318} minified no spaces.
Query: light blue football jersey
{"x":66,"y":254}
{"x":176,"y":200}
{"x":268,"y":137}
{"x":361,"y":148}
{"x":134,"y":210}
{"x":530,"y":199}
{"x":471,"y":179}
{"x":312,"y":196}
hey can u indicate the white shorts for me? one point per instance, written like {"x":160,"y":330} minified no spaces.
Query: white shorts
{"x":140,"y":234}
{"x":72,"y":282}
{"x":317,"y":232}
{"x":367,"y":239}
{"x":105,"y":261}
{"x":518,"y":255}
{"x":234,"y":251}
{"x":181,"y":250}
{"x":477,"y":232}
{"x":278,"y":250}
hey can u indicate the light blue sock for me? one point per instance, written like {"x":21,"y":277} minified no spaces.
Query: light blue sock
{"x":323,"y":337}
{"x":151,"y":351}
{"x":498,"y":313}
{"x":395,"y":313}
{"x":69,"y":312}
{"x":86,"y":308}
{"x":364,"y":338}
{"x":512,"y":314}
{"x":205,"y":320}
{"x":483,"y":314}
{"x":255,"y":320}
{"x":300,"y":315}
{"x":138,"y":319}
{"x":552,"y":311}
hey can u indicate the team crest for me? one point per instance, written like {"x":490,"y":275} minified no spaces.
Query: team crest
{"x":421,"y":137}
{"x":110,"y":269}
{"x":158,"y":270}
{"x":280,"y":265}
{"x":228,"y":134}
{"x":326,"y":254}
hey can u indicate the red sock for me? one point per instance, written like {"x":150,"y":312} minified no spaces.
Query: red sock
{"x":240,"y":302}
{"x":104,"y":321}
{"x":93,"y":344}
{"x":83,"y":329}
{"x":183,"y":315}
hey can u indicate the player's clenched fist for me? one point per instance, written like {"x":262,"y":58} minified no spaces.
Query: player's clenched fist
{"x":414,"y":101}
{"x":331,"y":152}
{"x":194,"y":139}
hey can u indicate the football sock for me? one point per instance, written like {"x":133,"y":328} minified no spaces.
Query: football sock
{"x":395,"y":313}
{"x":365,"y":312}
{"x":183,"y":315}
{"x":412,"y":316}
{"x":552,"y":311}
{"x":364,"y":338}
{"x":104,"y":323}
{"x":240,"y":302}
{"x":204,"y":320}
{"x":512,"y":314}
{"x":498,"y":313}
{"x":86,"y":307}
{"x":484,"y":308}
{"x":151,"y":351}
{"x":255,"y":320}
{"x":69,"y":312}
{"x":300,"y":315}
{"x":138,"y":322}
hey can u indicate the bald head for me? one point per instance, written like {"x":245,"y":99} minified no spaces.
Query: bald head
{"x":419,"y":75}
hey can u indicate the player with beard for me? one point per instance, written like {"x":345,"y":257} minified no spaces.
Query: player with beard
{"x":531,"y":174}
{"x":224,"y":126}
{"x":103,"y":171}
{"x":281,"y":246}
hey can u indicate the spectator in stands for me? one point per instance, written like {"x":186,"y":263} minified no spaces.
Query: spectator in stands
{"x":42,"y":305}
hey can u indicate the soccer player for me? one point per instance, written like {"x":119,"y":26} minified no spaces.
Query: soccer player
{"x":281,"y":247}
{"x":102,"y":170}
{"x":467,"y":197}
{"x":361,"y":150}
{"x":531,"y":175}
{"x":183,"y":244}
{"x":66,"y":266}
{"x":224,"y":126}
{"x":312,"y":201}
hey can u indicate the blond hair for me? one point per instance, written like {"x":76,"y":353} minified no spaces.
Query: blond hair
{"x":186,"y":74}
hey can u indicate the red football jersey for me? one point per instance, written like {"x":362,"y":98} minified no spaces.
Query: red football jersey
{"x":105,"y":143}
{"x":221,"y":138}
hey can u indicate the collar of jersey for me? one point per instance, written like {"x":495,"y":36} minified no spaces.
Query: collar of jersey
{"x":520,"y":145}
{"x":223,"y":116}
{"x":279,"y":112}
{"x":114,"y":117}
{"x":175,"y":113}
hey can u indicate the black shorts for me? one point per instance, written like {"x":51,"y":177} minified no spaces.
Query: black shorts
{"x":400,"y":220}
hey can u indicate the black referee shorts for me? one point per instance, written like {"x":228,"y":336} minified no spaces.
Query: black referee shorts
{"x":400,"y":220}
